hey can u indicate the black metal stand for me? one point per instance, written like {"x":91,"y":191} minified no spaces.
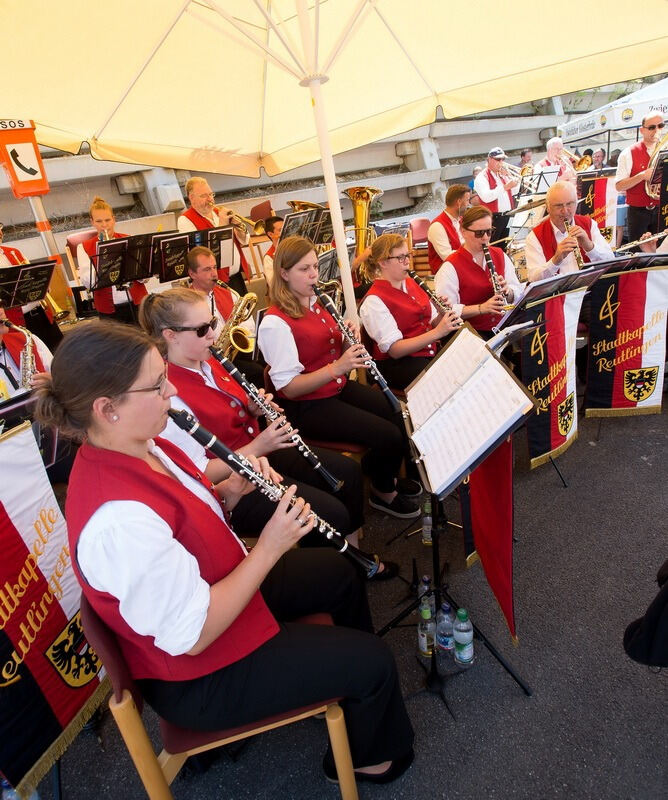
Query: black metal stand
{"x":558,"y":471}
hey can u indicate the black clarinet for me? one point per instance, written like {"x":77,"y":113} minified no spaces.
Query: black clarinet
{"x":271,"y":414}
{"x":274,"y":491}
{"x":348,"y":335}
{"x":435,"y":299}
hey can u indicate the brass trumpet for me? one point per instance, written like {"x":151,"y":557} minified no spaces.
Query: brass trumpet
{"x":579,"y":163}
{"x":246,"y":224}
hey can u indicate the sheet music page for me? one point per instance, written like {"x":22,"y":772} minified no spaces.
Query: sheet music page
{"x":469,"y":422}
{"x":450,"y":371}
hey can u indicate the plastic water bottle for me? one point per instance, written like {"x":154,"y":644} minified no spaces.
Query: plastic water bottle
{"x":426,"y":521}
{"x":426,"y":630}
{"x":425,"y":589}
{"x":11,"y":794}
{"x":444,"y":627}
{"x":462,"y":632}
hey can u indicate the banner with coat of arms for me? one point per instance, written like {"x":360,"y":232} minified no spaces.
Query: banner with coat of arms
{"x":599,"y":201}
{"x":548,"y":372}
{"x":627,"y":343}
{"x":49,"y":676}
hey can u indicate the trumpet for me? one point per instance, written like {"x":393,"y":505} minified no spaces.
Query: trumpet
{"x":577,"y":252}
{"x":435,"y":299}
{"x":232,"y":336}
{"x":511,"y":171}
{"x":246,"y":224}
{"x":579,"y":163}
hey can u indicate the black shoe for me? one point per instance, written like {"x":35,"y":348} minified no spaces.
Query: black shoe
{"x":408,"y":487}
{"x":401,"y":506}
{"x":390,"y":570}
{"x":394,"y":771}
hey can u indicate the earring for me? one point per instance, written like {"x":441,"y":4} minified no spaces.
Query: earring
{"x":114,"y":418}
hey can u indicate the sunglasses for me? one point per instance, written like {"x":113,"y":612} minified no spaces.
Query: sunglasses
{"x":200,"y":330}
{"x":480,"y":234}
{"x":660,"y":125}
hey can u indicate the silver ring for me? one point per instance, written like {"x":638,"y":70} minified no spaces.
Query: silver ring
{"x":301,"y":521}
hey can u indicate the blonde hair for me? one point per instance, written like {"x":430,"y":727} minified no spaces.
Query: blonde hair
{"x":288,"y":253}
{"x":191,"y":183}
{"x":380,"y":250}
{"x":99,"y":204}
{"x":158,"y":312}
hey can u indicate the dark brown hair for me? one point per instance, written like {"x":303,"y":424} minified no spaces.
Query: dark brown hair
{"x":475,"y":213}
{"x":455,"y":193}
{"x":194,"y":254}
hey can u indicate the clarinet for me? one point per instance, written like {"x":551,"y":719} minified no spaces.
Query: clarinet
{"x":493,"y":274}
{"x":435,"y":299}
{"x":271,"y":414}
{"x":326,"y":301}
{"x":274,"y":491}
{"x":577,"y":252}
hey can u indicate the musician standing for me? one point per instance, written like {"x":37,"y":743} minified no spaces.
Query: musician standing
{"x":465,"y":279}
{"x":598,"y":159}
{"x":202,"y":215}
{"x":632,"y":172}
{"x":497,"y":189}
{"x":550,"y":250}
{"x":557,"y":158}
{"x":399,"y":316}
{"x":443,"y":234}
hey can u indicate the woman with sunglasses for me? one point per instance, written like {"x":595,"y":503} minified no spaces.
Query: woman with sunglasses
{"x":308,"y":366}
{"x":465,"y":279}
{"x":180,"y":320}
{"x":398,"y":315}
{"x":207,"y":628}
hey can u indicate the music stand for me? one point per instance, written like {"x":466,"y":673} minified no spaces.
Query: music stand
{"x":221,"y":242}
{"x":445,"y":399}
{"x":328,"y":266}
{"x":25,"y":283}
{"x":656,"y":179}
{"x":298,"y":223}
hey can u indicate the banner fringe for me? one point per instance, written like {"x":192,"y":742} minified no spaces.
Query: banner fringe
{"x":58,"y":747}
{"x":471,"y":559}
{"x":543,"y":459}
{"x":622,"y":412}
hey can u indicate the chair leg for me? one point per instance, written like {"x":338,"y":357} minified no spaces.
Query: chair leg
{"x":338,"y":736}
{"x":171,"y":764}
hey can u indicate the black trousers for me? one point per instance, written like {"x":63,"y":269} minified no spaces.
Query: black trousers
{"x":358,"y":414}
{"x":304,"y":664}
{"x":400,"y":372}
{"x":641,"y":220}
{"x":343,"y":510}
{"x":125,"y":312}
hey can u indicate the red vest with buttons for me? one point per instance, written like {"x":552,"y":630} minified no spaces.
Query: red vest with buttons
{"x":411,"y":311}
{"x":636,"y":195}
{"x":435,"y":260}
{"x":319,"y":342}
{"x":545,"y":234}
{"x":202,"y":224}
{"x":103,"y":299}
{"x":475,"y":285}
{"x":15,"y":258}
{"x":15,"y":341}
{"x":223,"y":411}
{"x":100,"y":476}
{"x":493,"y":206}
{"x":224,"y":300}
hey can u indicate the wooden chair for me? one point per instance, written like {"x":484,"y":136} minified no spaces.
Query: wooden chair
{"x":158,"y":772}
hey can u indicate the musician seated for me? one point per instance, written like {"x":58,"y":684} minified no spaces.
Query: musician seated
{"x":557,"y":158}
{"x":202,"y":215}
{"x":404,"y":324}
{"x":272,"y":227}
{"x":443,"y":234}
{"x":206,"y":627}
{"x":222,"y":300}
{"x":14,"y":368}
{"x":110,"y":302}
{"x":465,"y":278}
{"x":550,"y":249}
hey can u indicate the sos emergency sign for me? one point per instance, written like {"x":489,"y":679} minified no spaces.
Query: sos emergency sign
{"x":20,"y":158}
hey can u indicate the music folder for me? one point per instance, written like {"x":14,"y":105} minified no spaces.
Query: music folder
{"x":460,"y":408}
{"x":25,"y":283}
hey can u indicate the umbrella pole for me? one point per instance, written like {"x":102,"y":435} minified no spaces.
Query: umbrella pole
{"x":333,"y":196}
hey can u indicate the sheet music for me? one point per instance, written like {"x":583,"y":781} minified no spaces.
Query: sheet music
{"x":445,"y":376}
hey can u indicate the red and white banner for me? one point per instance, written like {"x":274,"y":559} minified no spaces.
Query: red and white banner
{"x":49,"y":676}
{"x":627,"y":343}
{"x":599,"y":201}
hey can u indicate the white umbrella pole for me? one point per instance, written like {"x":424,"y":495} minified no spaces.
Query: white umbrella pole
{"x":333,"y":197}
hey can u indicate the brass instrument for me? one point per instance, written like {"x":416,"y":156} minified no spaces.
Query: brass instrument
{"x":654,"y":189}
{"x":631,"y":245}
{"x":28,"y":365}
{"x":304,"y":205}
{"x":50,"y":306}
{"x":577,"y":252}
{"x":361,"y":197}
{"x":579,"y":163}
{"x":330,"y":288}
{"x":233,"y":337}
{"x":516,"y":172}
{"x":246,"y":224}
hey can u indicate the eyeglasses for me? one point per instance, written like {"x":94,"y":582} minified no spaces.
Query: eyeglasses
{"x":480,"y":234}
{"x":402,"y":259}
{"x":659,"y":125}
{"x":200,"y":330}
{"x":159,"y":387}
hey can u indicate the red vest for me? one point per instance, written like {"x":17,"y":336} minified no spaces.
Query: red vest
{"x":100,"y":476}
{"x":203,"y":224}
{"x":224,"y":300}
{"x":494,"y":205}
{"x":15,"y":341}
{"x":411,"y":311}
{"x":271,"y":251}
{"x":103,"y":299}
{"x":224,"y":411}
{"x":545,"y":235}
{"x":15,"y":258}
{"x":636,"y":195}
{"x":435,"y":260}
{"x":475,"y":285}
{"x":319,"y":342}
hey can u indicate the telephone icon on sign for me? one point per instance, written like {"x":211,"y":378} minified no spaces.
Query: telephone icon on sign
{"x":15,"y":158}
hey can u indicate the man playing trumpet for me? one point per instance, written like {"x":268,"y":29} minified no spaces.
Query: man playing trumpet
{"x":550,"y":248}
{"x":556,"y":157}
{"x":496,"y":188}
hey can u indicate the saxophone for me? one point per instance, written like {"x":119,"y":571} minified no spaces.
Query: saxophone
{"x":233,"y":337}
{"x":28,"y":365}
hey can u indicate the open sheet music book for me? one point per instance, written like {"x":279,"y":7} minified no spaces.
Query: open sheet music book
{"x":461,"y":407}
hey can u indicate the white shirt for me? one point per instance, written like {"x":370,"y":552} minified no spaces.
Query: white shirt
{"x":248,"y":325}
{"x":438,"y":236}
{"x":129,"y":551}
{"x":488,"y":195}
{"x":446,"y":282}
{"x":6,"y":388}
{"x":184,"y":225}
{"x":537,"y":269}
{"x":379,"y":322}
{"x":625,"y":164}
{"x":268,"y":268}
{"x":88,"y":275}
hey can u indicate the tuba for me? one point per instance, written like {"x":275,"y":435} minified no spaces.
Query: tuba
{"x":361,"y":198}
{"x":654,"y":189}
{"x":233,"y":337}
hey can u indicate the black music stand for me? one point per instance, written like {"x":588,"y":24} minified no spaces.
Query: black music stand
{"x":426,"y":443}
{"x":26,"y":283}
{"x":107,"y":269}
